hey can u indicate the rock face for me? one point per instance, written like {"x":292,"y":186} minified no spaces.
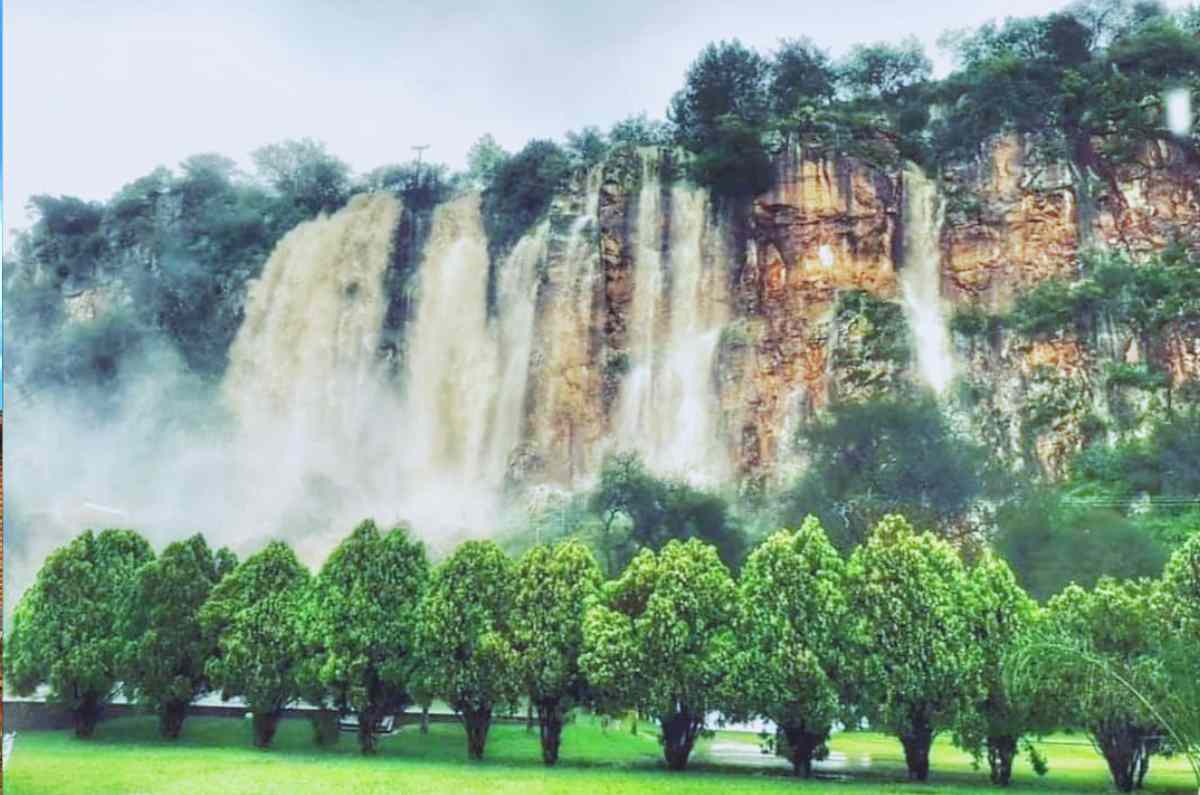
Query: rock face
{"x":826,"y":226}
{"x":644,"y":314}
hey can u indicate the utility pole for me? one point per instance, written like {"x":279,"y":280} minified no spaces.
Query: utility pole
{"x":417,"y":178}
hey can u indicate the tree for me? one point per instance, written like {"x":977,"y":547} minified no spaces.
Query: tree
{"x":518,"y":194}
{"x":554,"y":586}
{"x":484,"y":160}
{"x":661,"y":641}
{"x":917,"y":665}
{"x":465,"y":637}
{"x":306,"y":174}
{"x":793,"y":639}
{"x":1181,"y":610}
{"x":587,"y":147}
{"x":638,"y":510}
{"x":801,"y":74}
{"x":726,"y":79}
{"x":1051,"y":543}
{"x":639,"y":130}
{"x":67,"y":626}
{"x":364,"y":614}
{"x":1001,"y":616}
{"x":877,"y":457}
{"x":168,"y":651}
{"x":1102,"y":648}
{"x":883,"y":70}
{"x":421,"y":185}
{"x":253,"y":617}
{"x":720,"y":114}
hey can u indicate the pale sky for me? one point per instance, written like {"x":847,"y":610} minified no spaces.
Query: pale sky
{"x":97,"y":94}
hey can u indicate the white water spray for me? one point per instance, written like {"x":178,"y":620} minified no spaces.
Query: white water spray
{"x":920,"y":279}
{"x":669,"y":407}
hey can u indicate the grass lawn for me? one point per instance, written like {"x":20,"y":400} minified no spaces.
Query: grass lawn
{"x":214,"y":757}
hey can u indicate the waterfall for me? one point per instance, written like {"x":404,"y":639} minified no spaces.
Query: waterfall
{"x":668,"y":409}
{"x":920,"y":279}
{"x":566,"y":410}
{"x":303,"y":379}
{"x":468,"y":372}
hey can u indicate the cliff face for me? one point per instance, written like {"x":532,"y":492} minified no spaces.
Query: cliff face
{"x":643,"y":314}
{"x":831,"y":230}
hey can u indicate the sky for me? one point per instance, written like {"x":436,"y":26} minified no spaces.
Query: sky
{"x":97,"y":94}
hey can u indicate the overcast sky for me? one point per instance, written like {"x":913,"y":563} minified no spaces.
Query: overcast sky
{"x":99,"y":93}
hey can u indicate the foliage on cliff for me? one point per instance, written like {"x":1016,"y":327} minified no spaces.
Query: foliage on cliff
{"x":869,"y":459}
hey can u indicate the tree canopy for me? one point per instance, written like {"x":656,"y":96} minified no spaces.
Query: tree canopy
{"x":68,"y":627}
{"x":168,"y":651}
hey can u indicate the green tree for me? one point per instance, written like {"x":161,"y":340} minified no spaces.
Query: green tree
{"x":587,"y":147}
{"x":364,"y":620}
{"x":168,"y":650}
{"x":1000,"y":615}
{"x":917,"y":665}
{"x":484,"y":160}
{"x":720,"y":115}
{"x":1051,"y":542}
{"x":465,"y":637}
{"x":253,"y":617}
{"x":638,"y":510}
{"x":305,"y":174}
{"x":639,"y":130}
{"x":883,"y":456}
{"x":67,"y":628}
{"x":727,"y":79}
{"x":554,"y":586}
{"x":1181,"y":610}
{"x":801,"y":74}
{"x":884,"y":70}
{"x":1103,"y":648}
{"x":421,"y":185}
{"x":662,"y":641}
{"x":793,"y":639}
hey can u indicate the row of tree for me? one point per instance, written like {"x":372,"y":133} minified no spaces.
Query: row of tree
{"x":902,"y":632}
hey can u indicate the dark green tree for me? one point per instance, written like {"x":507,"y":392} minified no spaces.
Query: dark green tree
{"x":916,"y":664}
{"x":889,"y":455}
{"x":304,"y":174}
{"x":661,"y":641}
{"x":465,"y":638}
{"x":253,"y":617}
{"x":555,"y":584}
{"x":168,"y":650}
{"x":363,"y":622}
{"x":67,"y":628}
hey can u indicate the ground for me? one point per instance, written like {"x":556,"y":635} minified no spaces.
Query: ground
{"x":214,"y":756}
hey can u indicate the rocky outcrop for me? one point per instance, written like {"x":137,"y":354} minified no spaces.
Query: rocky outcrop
{"x":826,"y":226}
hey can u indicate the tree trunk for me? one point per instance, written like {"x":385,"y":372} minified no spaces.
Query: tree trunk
{"x":802,"y":745}
{"x":1123,"y":747}
{"x":366,"y":732}
{"x":529,"y":718}
{"x":1002,"y":749}
{"x":477,"y":722}
{"x":87,"y":715}
{"x":550,"y":723}
{"x":679,"y":731}
{"x":425,"y":719}
{"x":917,"y":740}
{"x":265,"y":724}
{"x":170,"y":719}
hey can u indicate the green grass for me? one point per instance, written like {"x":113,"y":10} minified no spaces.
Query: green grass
{"x":214,"y":756}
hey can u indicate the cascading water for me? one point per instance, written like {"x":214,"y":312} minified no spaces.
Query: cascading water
{"x":303,"y":377}
{"x":467,"y":372}
{"x":565,"y":408}
{"x":668,"y":408}
{"x":921,"y":278}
